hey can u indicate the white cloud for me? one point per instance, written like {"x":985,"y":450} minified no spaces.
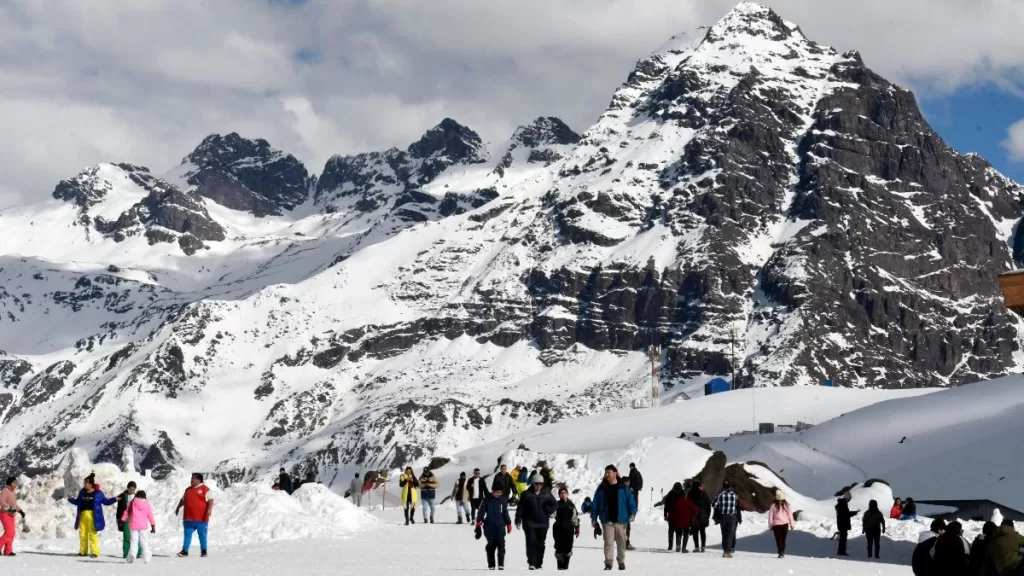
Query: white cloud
{"x":146,"y":81}
{"x":1014,"y":142}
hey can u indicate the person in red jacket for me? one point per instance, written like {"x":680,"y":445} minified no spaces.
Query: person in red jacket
{"x":198,"y":504}
{"x":897,"y":509}
{"x":682,"y":514}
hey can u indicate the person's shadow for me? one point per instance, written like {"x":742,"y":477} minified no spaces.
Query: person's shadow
{"x":807,"y":545}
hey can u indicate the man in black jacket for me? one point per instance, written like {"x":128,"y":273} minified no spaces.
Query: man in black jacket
{"x":477,"y":491}
{"x":636,"y":484}
{"x":284,"y":482}
{"x":843,"y":516}
{"x":922,"y":562}
{"x":504,"y":481}
{"x":533,"y":516}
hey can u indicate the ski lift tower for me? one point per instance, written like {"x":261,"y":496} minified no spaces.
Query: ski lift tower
{"x":1012,"y":286}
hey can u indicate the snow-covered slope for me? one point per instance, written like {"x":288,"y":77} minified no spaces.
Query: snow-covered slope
{"x":746,"y":188}
{"x":957,"y":444}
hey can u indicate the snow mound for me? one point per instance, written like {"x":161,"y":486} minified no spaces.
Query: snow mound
{"x":243,"y":513}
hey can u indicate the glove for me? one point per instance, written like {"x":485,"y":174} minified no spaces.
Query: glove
{"x":478,"y":532}
{"x":577,"y":531}
{"x":22,"y":512}
{"x":519,"y":525}
{"x":508,"y":528}
{"x":479,"y":524}
{"x":152,"y":530}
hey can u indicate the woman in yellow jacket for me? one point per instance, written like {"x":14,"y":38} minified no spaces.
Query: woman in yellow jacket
{"x":410,"y":494}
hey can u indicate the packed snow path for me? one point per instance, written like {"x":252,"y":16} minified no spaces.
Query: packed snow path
{"x":392,"y":548}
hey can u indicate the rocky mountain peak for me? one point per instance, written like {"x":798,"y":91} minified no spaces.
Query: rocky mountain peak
{"x":451,"y":140}
{"x":750,"y":19}
{"x":246,"y":174}
{"x":545,"y":130}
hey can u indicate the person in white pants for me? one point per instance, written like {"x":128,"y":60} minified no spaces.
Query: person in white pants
{"x":139,"y":516}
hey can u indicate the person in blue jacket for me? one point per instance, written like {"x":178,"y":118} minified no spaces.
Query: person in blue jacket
{"x":89,"y":520}
{"x":613,"y":508}
{"x":493,"y":521}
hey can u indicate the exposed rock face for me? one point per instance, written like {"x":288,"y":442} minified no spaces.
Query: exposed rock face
{"x":247,"y":175}
{"x":154,"y":208}
{"x":750,"y":200}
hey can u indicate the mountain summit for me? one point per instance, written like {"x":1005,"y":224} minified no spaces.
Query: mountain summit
{"x":750,"y":202}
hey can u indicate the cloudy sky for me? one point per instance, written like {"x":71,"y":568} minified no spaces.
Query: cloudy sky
{"x":84,"y":81}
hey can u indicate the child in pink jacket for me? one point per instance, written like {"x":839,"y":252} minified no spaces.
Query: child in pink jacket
{"x":780,"y":520}
{"x":139,"y":516}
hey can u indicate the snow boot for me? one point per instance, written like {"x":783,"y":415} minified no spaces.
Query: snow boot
{"x":431,"y":519}
{"x":629,"y":546}
{"x":607,"y":566}
{"x":622,"y":566}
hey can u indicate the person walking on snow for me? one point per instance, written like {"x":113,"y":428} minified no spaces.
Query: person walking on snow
{"x":781,"y":521}
{"x":198,"y":504}
{"x":123,"y":500}
{"x":8,"y":508}
{"x":460,"y":493}
{"x":535,"y":510}
{"x":612,"y":508}
{"x":504,"y":481}
{"x":477,"y":488}
{"x":666,"y":508}
{"x":410,"y":494}
{"x":357,"y":491}
{"x":138,"y":516}
{"x":683,"y":515}
{"x":89,"y":520}
{"x":428,"y":493}
{"x":728,"y":516}
{"x":493,"y":521}
{"x":703,"y":502}
{"x":843,"y":516}
{"x":874,"y":527}
{"x":636,"y":484}
{"x":566,"y":529}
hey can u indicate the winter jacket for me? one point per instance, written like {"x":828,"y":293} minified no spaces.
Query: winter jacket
{"x":356,"y":487}
{"x":429,"y":485}
{"x":981,"y":563}
{"x":504,"y":481}
{"x":586,"y":507}
{"x":636,"y":480}
{"x":535,"y":509}
{"x":873,"y":521}
{"x":410,"y":489}
{"x":922,"y":561}
{"x":1004,"y":549}
{"x":493,"y":513}
{"x":703,"y":501}
{"x":98,"y":502}
{"x":607,"y":497}
{"x":284,"y":482}
{"x":122,"y":505}
{"x":843,"y":515}
{"x":8,"y":501}
{"x":781,"y":515}
{"x":460,"y":493}
{"x":477,"y":488}
{"x":951,"y":553}
{"x":895,"y":512}
{"x":726,"y":504}
{"x":138,"y":515}
{"x":566,"y":517}
{"x":683,"y":513}
{"x":909,"y":511}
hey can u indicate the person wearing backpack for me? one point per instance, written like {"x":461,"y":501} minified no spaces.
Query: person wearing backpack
{"x":138,"y":516}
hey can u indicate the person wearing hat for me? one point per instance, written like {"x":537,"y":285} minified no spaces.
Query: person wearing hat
{"x":613,"y":508}
{"x":566,"y":529}
{"x":492,"y":521}
{"x":533,"y":516}
{"x":843,"y":516}
{"x":781,"y":521}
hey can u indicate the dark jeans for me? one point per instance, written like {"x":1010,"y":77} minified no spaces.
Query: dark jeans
{"x":728,"y":525}
{"x":474,"y":505}
{"x":681,"y":536}
{"x":535,"y":537}
{"x":874,"y":542}
{"x":495,"y":543}
{"x":780,"y":537}
{"x":564,"y":540}
{"x":843,"y":535}
{"x":702,"y":532}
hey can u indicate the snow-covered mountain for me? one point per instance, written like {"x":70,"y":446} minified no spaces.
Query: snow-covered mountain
{"x":237,"y":312}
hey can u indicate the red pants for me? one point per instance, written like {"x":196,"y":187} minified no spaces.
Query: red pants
{"x":7,"y":540}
